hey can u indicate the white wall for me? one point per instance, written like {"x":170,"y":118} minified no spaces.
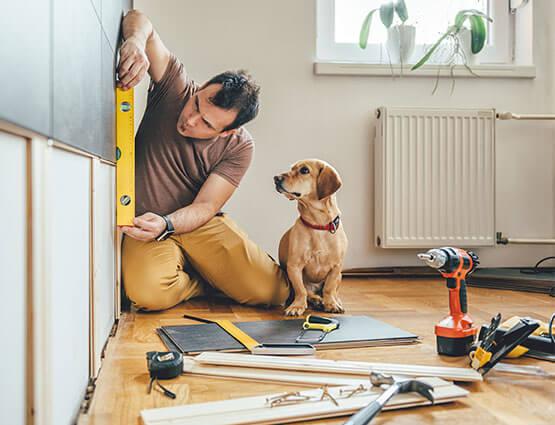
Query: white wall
{"x":332,"y":118}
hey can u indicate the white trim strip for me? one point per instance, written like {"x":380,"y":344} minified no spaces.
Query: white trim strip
{"x":257,"y":410}
{"x":362,"y":369}
{"x":371,"y":69}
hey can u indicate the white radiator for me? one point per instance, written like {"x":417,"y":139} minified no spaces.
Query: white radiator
{"x":434,"y":177}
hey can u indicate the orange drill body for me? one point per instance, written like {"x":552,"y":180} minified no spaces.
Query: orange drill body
{"x":455,"y":333}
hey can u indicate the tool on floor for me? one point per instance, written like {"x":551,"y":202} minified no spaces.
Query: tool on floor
{"x":163,"y":365}
{"x":455,"y":333}
{"x":539,"y":341}
{"x":397,"y":384}
{"x":125,"y":158}
{"x":254,"y":346}
{"x":317,"y":323}
{"x":490,"y":351}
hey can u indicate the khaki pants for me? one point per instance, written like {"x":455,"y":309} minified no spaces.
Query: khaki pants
{"x":216,"y":257}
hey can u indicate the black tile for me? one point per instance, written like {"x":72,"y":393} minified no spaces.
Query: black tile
{"x":77,"y":75}
{"x":108,"y":101}
{"x":25,"y":93}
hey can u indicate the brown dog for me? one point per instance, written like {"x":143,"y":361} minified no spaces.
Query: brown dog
{"x":314,"y":248}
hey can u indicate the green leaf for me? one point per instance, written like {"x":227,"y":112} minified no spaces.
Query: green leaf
{"x":401,"y":9}
{"x":365,"y":30}
{"x":432,"y":49}
{"x":478,"y":33}
{"x":463,"y":14}
{"x":386,"y":13}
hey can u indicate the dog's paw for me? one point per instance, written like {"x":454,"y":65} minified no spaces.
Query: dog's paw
{"x":296,"y":309}
{"x":333,"y":305}
{"x":315,"y":302}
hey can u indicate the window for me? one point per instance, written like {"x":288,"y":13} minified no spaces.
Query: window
{"x":339,"y":22}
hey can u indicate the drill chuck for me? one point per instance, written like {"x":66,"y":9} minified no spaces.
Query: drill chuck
{"x":435,"y":258}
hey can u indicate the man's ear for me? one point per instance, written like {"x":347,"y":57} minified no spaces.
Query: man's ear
{"x":328,"y":181}
{"x":227,"y":132}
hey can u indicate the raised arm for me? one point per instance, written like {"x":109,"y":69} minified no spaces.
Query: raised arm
{"x":141,"y":52}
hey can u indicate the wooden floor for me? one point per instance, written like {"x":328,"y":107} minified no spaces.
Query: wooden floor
{"x":414,"y":305}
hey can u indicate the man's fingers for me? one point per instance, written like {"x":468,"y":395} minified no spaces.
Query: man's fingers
{"x":138,"y":233}
{"x":132,"y":83}
{"x":144,"y":223}
{"x":125,"y":64}
{"x":134,"y":76}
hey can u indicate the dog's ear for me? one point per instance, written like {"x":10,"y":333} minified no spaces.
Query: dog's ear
{"x":328,"y":181}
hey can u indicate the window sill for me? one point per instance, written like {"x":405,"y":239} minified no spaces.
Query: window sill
{"x":374,"y":69}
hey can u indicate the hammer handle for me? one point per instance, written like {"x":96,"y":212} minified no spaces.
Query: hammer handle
{"x":365,"y":415}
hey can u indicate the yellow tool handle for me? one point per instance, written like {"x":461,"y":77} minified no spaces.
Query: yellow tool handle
{"x":237,"y":333}
{"x":320,"y":326}
{"x":480,"y":358}
{"x":326,"y":327}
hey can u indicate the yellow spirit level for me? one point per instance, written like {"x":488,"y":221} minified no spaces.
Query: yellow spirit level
{"x":125,"y":157}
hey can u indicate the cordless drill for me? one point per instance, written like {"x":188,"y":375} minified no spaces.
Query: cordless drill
{"x":455,"y":333}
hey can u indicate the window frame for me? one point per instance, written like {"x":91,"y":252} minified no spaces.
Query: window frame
{"x":498,"y":49}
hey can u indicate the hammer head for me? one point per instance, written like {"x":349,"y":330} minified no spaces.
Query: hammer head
{"x":405,"y":384}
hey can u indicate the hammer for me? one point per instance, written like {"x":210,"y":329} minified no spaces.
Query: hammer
{"x":397,"y":384}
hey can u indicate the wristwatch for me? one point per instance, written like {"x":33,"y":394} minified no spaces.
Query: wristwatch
{"x":167,"y":232}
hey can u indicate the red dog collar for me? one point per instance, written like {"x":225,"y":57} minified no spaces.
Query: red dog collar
{"x":331,"y":226}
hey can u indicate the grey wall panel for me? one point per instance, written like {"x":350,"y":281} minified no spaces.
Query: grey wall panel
{"x":112,"y":14}
{"x":25,"y":64}
{"x":76,"y":87}
{"x":108,"y":101}
{"x":97,"y":4}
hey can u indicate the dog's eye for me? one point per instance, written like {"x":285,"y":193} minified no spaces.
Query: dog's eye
{"x":305,"y":170}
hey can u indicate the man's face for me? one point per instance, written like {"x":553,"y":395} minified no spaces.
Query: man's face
{"x":200,"y":119}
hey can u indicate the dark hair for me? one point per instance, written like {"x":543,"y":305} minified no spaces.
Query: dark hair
{"x":238,"y":92}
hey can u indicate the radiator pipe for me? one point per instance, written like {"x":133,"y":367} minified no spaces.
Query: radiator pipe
{"x":511,"y":116}
{"x":531,"y":241}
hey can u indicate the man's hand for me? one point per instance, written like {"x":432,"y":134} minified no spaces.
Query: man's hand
{"x":133,"y":63}
{"x":147,"y":227}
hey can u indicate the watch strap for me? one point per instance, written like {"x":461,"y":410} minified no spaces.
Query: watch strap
{"x":168,"y":231}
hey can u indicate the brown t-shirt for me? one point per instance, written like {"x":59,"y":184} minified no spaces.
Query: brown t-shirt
{"x":170,"y":168}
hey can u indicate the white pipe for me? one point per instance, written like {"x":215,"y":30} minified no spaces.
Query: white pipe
{"x":511,"y":116}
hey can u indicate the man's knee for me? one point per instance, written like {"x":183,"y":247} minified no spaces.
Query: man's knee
{"x":145,"y":287}
{"x":265,"y":289}
{"x":148,"y":274}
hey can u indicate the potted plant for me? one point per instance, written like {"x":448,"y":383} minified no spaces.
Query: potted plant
{"x":400,"y":38}
{"x":463,"y":43}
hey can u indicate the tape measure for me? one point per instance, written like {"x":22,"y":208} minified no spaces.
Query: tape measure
{"x":125,"y":157}
{"x":163,"y":365}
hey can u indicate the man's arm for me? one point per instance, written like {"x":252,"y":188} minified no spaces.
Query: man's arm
{"x":213,"y":194}
{"x":141,"y":51}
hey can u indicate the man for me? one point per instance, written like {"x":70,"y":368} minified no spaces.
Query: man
{"x":191,"y":153}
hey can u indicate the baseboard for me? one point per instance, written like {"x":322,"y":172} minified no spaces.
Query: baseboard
{"x":495,"y":278}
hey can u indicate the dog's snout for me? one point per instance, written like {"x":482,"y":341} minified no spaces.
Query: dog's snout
{"x":278,"y":179}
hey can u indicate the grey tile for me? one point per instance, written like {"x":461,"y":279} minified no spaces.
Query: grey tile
{"x":97,"y":4}
{"x":108,"y":101}
{"x":77,"y":76}
{"x":25,"y":93}
{"x":112,"y":14}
